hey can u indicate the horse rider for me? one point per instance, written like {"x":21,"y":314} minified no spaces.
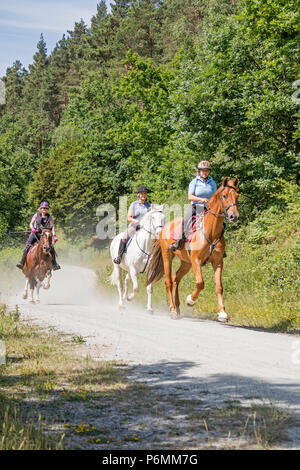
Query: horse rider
{"x":41,"y":219}
{"x":136,"y":212}
{"x":201,"y":189}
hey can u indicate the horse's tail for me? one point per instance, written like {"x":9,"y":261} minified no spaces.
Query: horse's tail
{"x":155,"y":269}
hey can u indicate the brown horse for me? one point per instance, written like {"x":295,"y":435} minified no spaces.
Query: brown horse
{"x":38,"y":265}
{"x":207,"y":245}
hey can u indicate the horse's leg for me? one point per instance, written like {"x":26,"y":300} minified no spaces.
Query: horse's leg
{"x":118,"y":278}
{"x":196,"y":264}
{"x":25,"y":293}
{"x":134,"y":278}
{"x":38,"y":286}
{"x":167,"y":260}
{"x":32,"y":285}
{"x":218,"y":267}
{"x":48,"y":277}
{"x":127,"y":279}
{"x":149,"y":294}
{"x":180,"y":273}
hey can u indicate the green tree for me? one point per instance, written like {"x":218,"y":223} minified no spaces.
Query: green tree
{"x":69,"y":183}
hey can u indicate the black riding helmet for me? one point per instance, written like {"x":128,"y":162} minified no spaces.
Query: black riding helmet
{"x":142,"y":189}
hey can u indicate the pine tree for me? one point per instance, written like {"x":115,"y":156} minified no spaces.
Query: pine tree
{"x":40,"y":57}
{"x":14,"y":83}
{"x":120,"y":8}
{"x":35,"y":117}
{"x":97,"y":19}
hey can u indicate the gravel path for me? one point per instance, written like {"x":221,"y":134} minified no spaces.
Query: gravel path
{"x":185,"y":359}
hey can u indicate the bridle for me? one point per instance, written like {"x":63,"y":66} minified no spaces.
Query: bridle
{"x":212,"y":245}
{"x":151,"y":222}
{"x":42,"y":246}
{"x":225,"y":209}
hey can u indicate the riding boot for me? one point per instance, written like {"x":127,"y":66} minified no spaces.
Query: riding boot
{"x":122,"y":248}
{"x":179,"y":244}
{"x":20,"y":265}
{"x":55,"y":265}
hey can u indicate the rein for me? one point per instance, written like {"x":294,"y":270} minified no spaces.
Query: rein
{"x":225,"y":209}
{"x":41,"y":240}
{"x":152,"y":212}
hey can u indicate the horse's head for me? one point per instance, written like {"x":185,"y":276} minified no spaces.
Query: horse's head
{"x":154,"y":220}
{"x":229,"y":200}
{"x":46,"y":240}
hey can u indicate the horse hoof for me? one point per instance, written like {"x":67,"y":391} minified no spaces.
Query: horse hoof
{"x":46,"y":287}
{"x":222,"y":317}
{"x":189,"y":301}
{"x":31,"y":301}
{"x":37,"y":301}
{"x":174,"y":315}
{"x":25,"y":296}
{"x":150,"y":310}
{"x":121,"y":307}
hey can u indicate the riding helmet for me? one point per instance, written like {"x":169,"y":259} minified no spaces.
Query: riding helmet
{"x":204,"y":165}
{"x":142,"y":189}
{"x":44,"y":204}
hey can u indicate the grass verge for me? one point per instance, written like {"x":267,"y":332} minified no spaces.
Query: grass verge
{"x":42,"y":375}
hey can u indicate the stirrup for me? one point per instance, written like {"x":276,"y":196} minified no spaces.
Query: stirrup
{"x":178,"y":245}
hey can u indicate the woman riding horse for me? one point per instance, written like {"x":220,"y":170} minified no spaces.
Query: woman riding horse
{"x":135,"y":213}
{"x":201,"y":189}
{"x":41,"y":219}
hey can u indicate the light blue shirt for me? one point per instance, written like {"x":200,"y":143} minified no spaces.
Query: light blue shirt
{"x":200,"y":188}
{"x":139,"y":209}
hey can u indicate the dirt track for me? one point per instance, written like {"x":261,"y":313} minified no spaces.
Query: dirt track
{"x":190,"y":359}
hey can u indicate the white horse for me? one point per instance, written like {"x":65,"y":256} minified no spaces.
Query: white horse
{"x":135,"y":259}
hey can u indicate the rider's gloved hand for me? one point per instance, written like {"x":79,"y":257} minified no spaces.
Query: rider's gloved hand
{"x":33,"y":230}
{"x":55,"y":239}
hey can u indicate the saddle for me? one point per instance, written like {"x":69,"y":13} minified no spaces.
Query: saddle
{"x":128,"y":243}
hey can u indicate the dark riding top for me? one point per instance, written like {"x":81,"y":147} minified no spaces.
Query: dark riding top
{"x":39,"y":223}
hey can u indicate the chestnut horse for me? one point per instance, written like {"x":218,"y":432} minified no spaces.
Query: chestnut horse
{"x":38,"y":265}
{"x":207,"y":245}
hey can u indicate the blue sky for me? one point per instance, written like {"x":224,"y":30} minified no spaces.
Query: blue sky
{"x":23,"y":21}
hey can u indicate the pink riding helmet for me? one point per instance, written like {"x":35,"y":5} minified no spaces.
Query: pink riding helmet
{"x":44,"y":204}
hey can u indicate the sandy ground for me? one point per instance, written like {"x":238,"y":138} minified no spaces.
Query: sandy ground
{"x":184,"y":358}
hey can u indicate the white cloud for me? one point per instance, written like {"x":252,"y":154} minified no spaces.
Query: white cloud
{"x":22,"y":24}
{"x":50,"y":15}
